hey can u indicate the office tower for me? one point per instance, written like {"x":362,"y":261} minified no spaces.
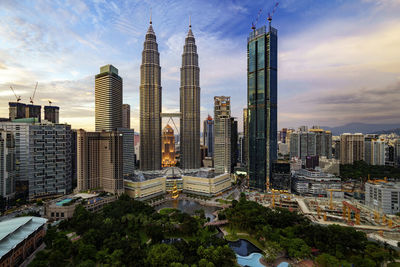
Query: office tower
{"x":168,"y":147}
{"x":51,"y":113}
{"x":33,"y":111}
{"x":222,"y":134}
{"x":126,"y":116}
{"x":99,"y":161}
{"x":150,"y":104}
{"x":351,"y":148}
{"x":128,"y":149}
{"x":378,"y":152}
{"x":190,"y":105}
{"x":245,"y":137}
{"x":7,"y":166}
{"x":16,"y":110}
{"x":43,"y":158}
{"x":108,"y":99}
{"x":241,"y":149}
{"x":234,"y":143}
{"x":262,"y":61}
{"x":208,"y":135}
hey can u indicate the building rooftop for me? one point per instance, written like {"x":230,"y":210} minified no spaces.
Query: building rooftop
{"x":14,"y":231}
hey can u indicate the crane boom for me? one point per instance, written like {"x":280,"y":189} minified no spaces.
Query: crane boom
{"x":17,"y":97}
{"x":34,"y":92}
{"x":254,"y":24}
{"x":273,"y":11}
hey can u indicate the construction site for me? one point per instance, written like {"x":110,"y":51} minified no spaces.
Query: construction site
{"x":336,"y":207}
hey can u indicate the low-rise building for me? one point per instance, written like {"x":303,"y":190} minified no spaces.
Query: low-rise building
{"x":142,"y":185}
{"x":383,"y":196}
{"x":314,"y":182}
{"x":19,"y":237}
{"x":206,"y":183}
{"x":63,"y":208}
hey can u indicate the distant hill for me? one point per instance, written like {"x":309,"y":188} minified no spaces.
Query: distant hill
{"x":363,"y":128}
{"x":396,"y":131}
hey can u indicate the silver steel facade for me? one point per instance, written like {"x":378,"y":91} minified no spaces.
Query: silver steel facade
{"x":108,"y":99}
{"x":150,"y":104}
{"x":190,"y":105}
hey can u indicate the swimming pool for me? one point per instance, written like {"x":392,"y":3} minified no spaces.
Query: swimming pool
{"x":253,"y":260}
{"x":64,"y":201}
{"x":283,"y":264}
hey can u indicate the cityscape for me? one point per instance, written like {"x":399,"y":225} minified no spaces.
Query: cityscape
{"x":200,"y":133}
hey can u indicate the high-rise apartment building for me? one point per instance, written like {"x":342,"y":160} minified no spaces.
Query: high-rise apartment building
{"x":234,"y":143}
{"x":396,"y":152}
{"x":262,"y":67}
{"x":351,"y":148}
{"x":51,"y":113}
{"x":100,"y":161}
{"x":150,"y":104}
{"x":17,"y":110}
{"x":208,"y":135}
{"x":245,"y":153}
{"x":378,"y":149}
{"x":43,"y":158}
{"x":128,"y":149}
{"x":7,"y":166}
{"x":190,"y":105}
{"x":108,"y":99}
{"x":168,"y":147}
{"x":315,"y":142}
{"x":222,"y":134}
{"x":126,"y":116}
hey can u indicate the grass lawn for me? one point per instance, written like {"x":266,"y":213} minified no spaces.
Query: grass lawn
{"x":236,"y":234}
{"x":223,"y":201}
{"x":166,"y":211}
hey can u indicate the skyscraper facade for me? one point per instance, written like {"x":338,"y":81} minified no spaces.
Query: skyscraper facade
{"x":7,"y":165}
{"x":208,"y":135}
{"x":262,"y":61}
{"x":150,"y":104}
{"x":245,"y":157}
{"x":126,"y":116}
{"x":234,"y":143}
{"x":222,"y":134}
{"x":51,"y":113}
{"x":190,"y":105}
{"x":99,"y":161}
{"x":168,"y":147}
{"x":108,"y":99}
{"x":352,"y":148}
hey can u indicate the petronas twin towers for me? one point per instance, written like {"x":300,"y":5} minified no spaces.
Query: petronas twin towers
{"x":151,"y":100}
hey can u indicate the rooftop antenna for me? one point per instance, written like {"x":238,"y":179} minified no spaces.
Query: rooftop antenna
{"x":190,"y":22}
{"x":34,"y":92}
{"x":150,"y":16}
{"x":17,"y":97}
{"x":254,"y":24}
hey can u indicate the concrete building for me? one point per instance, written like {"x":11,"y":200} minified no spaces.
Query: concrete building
{"x":17,"y":110}
{"x":313,"y":182}
{"x":190,"y":105}
{"x":43,"y":157}
{"x":150,"y":104}
{"x":378,"y":149}
{"x":262,"y":82}
{"x":168,"y":147}
{"x":7,"y":166}
{"x":396,"y":152}
{"x":33,"y":111}
{"x":383,"y":196}
{"x":329,"y":165}
{"x":108,"y":99}
{"x":100,"y":161}
{"x":64,"y":207}
{"x":208,"y":135}
{"x":351,"y":148}
{"x":126,"y":116}
{"x":146,"y":185}
{"x":222,"y":134}
{"x":19,"y":237}
{"x":52,"y":114}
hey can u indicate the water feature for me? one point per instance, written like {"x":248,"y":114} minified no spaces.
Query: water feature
{"x":247,"y":254}
{"x":188,"y":206}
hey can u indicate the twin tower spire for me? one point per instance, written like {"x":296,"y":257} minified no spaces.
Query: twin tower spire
{"x":151,"y":104}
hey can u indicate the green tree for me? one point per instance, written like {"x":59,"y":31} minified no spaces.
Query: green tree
{"x":163,"y":255}
{"x":326,"y":260}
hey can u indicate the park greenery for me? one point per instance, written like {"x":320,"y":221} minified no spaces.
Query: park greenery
{"x":288,"y":233}
{"x":361,"y":170}
{"x":131,"y":233}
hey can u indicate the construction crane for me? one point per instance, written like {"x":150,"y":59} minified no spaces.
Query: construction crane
{"x":254,"y":24}
{"x":273,"y":11}
{"x":34,"y":92}
{"x":50,"y":102}
{"x":17,"y":97}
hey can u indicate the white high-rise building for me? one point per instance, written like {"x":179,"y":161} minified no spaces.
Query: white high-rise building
{"x":222,"y":134}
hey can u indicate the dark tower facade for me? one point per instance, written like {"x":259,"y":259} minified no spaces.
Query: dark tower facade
{"x":150,"y":104}
{"x":190,"y":105}
{"x":262,"y":86}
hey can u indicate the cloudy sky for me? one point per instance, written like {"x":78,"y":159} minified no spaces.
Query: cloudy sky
{"x":339,"y":61}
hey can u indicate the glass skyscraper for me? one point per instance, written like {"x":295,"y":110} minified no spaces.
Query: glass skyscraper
{"x":262,"y":85}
